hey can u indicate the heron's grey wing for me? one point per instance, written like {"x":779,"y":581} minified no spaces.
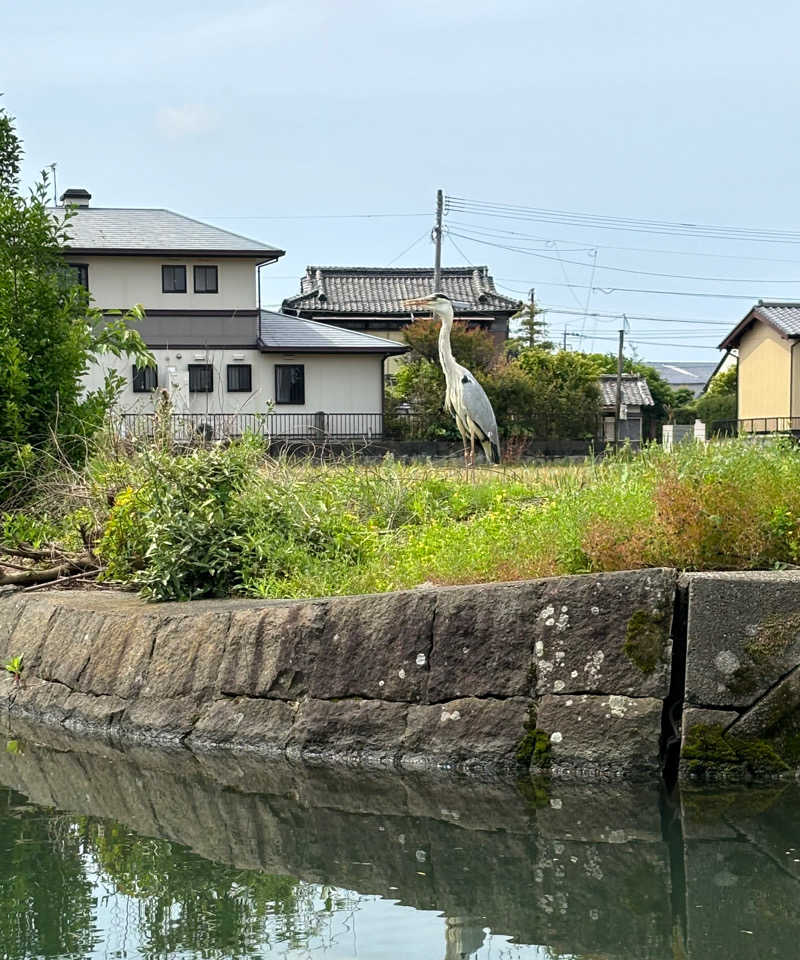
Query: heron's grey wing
{"x":479,"y":410}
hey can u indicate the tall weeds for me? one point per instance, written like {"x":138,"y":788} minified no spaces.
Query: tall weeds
{"x":230,"y":521}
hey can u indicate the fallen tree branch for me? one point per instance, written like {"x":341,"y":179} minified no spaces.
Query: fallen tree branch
{"x":83,"y":575}
{"x":49,"y":574}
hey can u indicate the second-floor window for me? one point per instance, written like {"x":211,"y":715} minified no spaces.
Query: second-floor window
{"x":201,"y":378}
{"x":173,"y":278}
{"x":144,"y":379}
{"x":205,"y":280}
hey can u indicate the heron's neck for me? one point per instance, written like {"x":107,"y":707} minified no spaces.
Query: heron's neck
{"x":446,"y":357}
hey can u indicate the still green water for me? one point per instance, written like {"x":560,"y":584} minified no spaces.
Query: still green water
{"x":144,"y":854}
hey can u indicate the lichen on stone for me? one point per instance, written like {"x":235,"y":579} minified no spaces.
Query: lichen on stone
{"x":646,"y":638}
{"x":773,"y":636}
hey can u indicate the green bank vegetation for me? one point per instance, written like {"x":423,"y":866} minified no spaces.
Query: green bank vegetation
{"x":228,"y":521}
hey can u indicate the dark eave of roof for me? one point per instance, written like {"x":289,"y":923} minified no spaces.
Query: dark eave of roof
{"x":262,"y":256}
{"x":283,"y":348}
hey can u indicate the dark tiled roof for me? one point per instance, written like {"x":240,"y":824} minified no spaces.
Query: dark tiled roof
{"x":634,"y":390}
{"x":783,"y":317}
{"x":376,"y":291}
{"x":278,"y":332}
{"x":106,"y":230}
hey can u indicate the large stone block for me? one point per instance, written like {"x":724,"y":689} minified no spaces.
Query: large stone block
{"x":602,"y":736}
{"x":605,"y":633}
{"x":482,"y":641}
{"x":262,"y":725}
{"x":467,"y":731}
{"x":377,"y":647}
{"x":271,"y":651}
{"x":187,"y":655}
{"x":743,"y":635}
{"x":348,"y":729}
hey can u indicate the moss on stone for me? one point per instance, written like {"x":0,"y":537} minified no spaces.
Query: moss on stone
{"x":774,"y":636}
{"x":645,"y":639}
{"x":707,"y":752}
{"x":534,"y":747}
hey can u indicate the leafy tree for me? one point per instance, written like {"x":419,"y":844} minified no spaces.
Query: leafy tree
{"x":49,"y":332}
{"x":567,"y":393}
{"x":719,"y":402}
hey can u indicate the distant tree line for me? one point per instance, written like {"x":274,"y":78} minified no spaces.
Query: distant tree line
{"x":538,"y":392}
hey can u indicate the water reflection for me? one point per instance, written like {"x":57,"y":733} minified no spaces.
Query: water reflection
{"x":146,"y":854}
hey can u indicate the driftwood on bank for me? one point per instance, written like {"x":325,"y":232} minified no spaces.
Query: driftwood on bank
{"x":48,"y":565}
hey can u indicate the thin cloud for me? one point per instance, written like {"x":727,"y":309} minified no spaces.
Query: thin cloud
{"x":189,"y":120}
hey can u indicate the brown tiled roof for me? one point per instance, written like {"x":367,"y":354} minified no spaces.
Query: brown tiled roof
{"x":381,"y":291}
{"x":634,"y":390}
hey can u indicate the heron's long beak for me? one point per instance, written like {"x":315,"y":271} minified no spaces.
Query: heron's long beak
{"x":418,"y":302}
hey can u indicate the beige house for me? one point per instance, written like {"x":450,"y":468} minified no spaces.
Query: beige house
{"x":769,"y":364}
{"x":219,"y":355}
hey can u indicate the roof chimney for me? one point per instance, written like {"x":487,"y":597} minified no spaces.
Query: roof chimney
{"x":77,"y":196}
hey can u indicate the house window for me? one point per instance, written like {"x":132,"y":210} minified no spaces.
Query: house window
{"x":80,"y":274}
{"x":173,"y":278}
{"x":205,"y":280}
{"x":144,"y":379}
{"x":290,"y":383}
{"x":201,"y":378}
{"x":240,"y":378}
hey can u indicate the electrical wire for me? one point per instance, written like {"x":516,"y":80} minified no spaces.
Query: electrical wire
{"x":409,"y":247}
{"x":642,"y":273}
{"x":543,"y":215}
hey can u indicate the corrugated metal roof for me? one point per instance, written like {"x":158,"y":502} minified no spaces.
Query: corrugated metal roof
{"x":634,"y":390}
{"x":378,"y":291}
{"x":279,"y":332}
{"x":106,"y":229}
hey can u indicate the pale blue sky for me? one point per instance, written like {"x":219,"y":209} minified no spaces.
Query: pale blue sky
{"x":683,"y":111}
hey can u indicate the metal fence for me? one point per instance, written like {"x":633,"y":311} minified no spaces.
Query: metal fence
{"x":757,"y":425}
{"x":188,"y":427}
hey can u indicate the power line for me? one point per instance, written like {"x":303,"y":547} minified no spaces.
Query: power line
{"x":673,"y":293}
{"x":635,"y":316}
{"x":643,"y":273}
{"x":636,"y":225}
{"x":579,"y":246}
{"x":409,"y":247}
{"x":317,"y":216}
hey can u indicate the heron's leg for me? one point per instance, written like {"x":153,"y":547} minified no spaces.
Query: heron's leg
{"x":472,"y":454}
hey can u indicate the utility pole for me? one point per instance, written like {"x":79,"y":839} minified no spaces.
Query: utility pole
{"x":437,"y":239}
{"x":55,"y":191}
{"x":619,"y":389}
{"x":565,"y":339}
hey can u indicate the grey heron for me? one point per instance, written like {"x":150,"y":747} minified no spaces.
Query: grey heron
{"x":465,"y":398}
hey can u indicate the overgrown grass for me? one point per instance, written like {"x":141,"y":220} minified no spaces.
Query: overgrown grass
{"x":227,"y":521}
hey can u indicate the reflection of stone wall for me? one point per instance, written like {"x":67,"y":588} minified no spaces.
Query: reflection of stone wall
{"x":583,"y":868}
{"x":432,"y":677}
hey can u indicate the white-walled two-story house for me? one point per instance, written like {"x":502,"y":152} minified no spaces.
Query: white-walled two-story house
{"x":217,"y":351}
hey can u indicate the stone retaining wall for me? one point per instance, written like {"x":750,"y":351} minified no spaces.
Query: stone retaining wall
{"x":599,"y":676}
